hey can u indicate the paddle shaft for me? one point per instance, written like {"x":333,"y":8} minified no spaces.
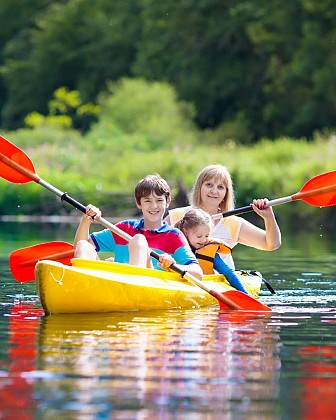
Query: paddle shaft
{"x":282,"y":200}
{"x":30,"y":174}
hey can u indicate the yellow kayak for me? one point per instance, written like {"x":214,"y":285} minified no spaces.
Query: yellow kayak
{"x":101,"y":286}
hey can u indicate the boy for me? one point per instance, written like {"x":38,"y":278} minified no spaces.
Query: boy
{"x":152,"y":197}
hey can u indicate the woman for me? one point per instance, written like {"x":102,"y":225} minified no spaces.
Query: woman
{"x":213,"y":192}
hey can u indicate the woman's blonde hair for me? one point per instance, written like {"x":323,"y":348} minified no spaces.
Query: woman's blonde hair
{"x":217,"y":173}
{"x":194,"y":217}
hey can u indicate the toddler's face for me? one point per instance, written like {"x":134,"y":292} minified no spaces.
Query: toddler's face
{"x":198,"y":236}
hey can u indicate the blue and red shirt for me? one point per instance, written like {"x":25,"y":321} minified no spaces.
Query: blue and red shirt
{"x":166,"y":239}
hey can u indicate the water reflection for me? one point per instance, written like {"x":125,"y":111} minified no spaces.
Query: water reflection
{"x":318,"y":364}
{"x":197,"y":362}
{"x":16,"y":387}
{"x":309,"y":374}
{"x":166,"y":364}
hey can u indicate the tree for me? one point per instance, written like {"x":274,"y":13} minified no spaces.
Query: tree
{"x":297,"y":43}
{"x":203,"y":49}
{"x":15,"y":22}
{"x":252,"y":68}
{"x":74,"y":45}
{"x":267,"y":67}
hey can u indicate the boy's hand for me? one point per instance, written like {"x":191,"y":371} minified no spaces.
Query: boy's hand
{"x":165,"y":261}
{"x":92,"y":212}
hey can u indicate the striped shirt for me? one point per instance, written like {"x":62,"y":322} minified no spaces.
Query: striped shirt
{"x":165,"y":239}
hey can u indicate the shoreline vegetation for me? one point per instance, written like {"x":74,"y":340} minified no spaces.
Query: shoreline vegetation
{"x":269,"y":168}
{"x":144,"y":128}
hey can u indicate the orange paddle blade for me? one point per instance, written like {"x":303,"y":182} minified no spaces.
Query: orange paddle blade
{"x":243,"y":301}
{"x":22,"y":261}
{"x":10,"y":156}
{"x":313,"y":190}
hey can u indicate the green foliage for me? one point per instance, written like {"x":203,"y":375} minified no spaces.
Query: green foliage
{"x":203,"y":49}
{"x":141,"y":116}
{"x":90,"y":172}
{"x":66,"y":110}
{"x":35,"y":119}
{"x":72,"y":44}
{"x":249,"y":69}
{"x":235,"y":130}
{"x":296,"y":45}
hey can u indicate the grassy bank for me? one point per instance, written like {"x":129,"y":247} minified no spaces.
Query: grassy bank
{"x":90,"y":172}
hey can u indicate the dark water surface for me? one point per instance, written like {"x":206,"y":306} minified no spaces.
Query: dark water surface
{"x":197,"y":364}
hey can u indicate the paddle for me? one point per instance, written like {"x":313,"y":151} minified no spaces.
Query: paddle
{"x":319,"y":191}
{"x":22,"y":261}
{"x":16,"y":166}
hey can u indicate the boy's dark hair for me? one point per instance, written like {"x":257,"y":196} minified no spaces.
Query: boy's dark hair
{"x":151,"y":184}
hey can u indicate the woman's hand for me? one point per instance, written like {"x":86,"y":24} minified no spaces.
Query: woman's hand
{"x":260,"y":207}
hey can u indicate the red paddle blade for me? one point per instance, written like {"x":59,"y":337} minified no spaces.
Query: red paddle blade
{"x":22,"y":261}
{"x":243,"y":301}
{"x":319,"y":183}
{"x":8,"y":151}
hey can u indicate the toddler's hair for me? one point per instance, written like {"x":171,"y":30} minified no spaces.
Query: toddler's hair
{"x":151,"y":184}
{"x":193,"y":218}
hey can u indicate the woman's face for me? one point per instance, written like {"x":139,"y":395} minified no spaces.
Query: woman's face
{"x":198,"y":236}
{"x":213,"y":192}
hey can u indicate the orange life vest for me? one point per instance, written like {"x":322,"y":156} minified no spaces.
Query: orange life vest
{"x":206,"y":254}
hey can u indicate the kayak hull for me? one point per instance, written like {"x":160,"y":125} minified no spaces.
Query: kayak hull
{"x":99,"y":286}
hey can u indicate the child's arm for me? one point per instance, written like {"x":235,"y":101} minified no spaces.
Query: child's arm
{"x":221,"y":267}
{"x":83,"y":230}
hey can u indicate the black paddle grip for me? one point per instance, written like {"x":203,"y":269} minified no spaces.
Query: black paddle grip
{"x":73,"y":202}
{"x":240,"y":210}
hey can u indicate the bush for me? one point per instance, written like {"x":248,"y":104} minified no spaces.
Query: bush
{"x":142,"y":116}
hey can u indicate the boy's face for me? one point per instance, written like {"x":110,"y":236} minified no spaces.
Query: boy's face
{"x":153,"y":207}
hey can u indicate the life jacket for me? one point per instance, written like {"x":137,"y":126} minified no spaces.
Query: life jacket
{"x":206,"y":254}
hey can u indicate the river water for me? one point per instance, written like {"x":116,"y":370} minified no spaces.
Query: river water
{"x":196,"y":364}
